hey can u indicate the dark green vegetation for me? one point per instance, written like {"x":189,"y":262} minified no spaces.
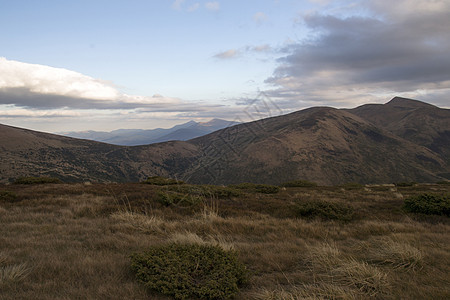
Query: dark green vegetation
{"x":299,"y":183}
{"x":326,"y":210}
{"x":36,"y":180}
{"x":400,"y":141}
{"x":430,"y":204}
{"x":190,"y":271}
{"x":74,"y":241}
{"x":257,"y":188}
{"x":159,"y":180}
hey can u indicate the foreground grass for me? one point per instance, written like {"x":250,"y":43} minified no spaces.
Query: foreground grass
{"x":61,"y":241}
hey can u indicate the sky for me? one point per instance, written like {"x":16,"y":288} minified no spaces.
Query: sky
{"x":111,"y":64}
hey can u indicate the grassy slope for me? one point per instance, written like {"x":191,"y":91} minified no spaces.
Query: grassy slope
{"x":73,"y":242}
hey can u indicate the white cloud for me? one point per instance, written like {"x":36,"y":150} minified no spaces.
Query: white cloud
{"x":232,"y":53}
{"x":43,"y":87}
{"x":214,"y":6}
{"x":47,"y":80}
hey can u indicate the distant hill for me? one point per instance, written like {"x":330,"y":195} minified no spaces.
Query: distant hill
{"x":402,"y":140}
{"x":134,"y":137}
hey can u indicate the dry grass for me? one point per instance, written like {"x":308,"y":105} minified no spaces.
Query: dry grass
{"x":73,"y":241}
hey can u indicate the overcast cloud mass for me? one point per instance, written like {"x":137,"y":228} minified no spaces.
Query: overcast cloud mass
{"x":333,"y":53}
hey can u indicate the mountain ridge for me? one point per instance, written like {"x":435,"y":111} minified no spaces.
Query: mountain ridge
{"x":136,"y":137}
{"x":367,"y":144}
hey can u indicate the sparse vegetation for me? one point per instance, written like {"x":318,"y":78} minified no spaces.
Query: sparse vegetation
{"x":299,"y":183}
{"x":429,"y":204}
{"x":257,"y":188}
{"x":405,"y":184}
{"x":326,"y":210}
{"x":206,"y":191}
{"x":8,"y":196}
{"x":190,"y":271}
{"x":158,"y":180}
{"x":351,"y":186}
{"x":36,"y":180}
{"x":74,"y":241}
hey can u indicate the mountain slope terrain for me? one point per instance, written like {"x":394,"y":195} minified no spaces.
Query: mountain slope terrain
{"x":403,"y":140}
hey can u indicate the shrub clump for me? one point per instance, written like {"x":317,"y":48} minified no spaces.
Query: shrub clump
{"x":36,"y":180}
{"x":206,"y":191}
{"x":351,"y":186}
{"x":325,"y":210}
{"x":429,"y":204}
{"x":405,"y":184}
{"x":190,"y":271}
{"x":256,"y":188}
{"x":8,"y":196}
{"x":299,"y":183}
{"x":168,"y":198}
{"x":158,"y":180}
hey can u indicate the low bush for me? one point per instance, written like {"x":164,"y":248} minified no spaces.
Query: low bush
{"x":325,"y":210}
{"x":36,"y":180}
{"x":256,"y":188}
{"x":429,"y":204}
{"x":299,"y":183}
{"x":168,"y":198}
{"x":190,"y":271}
{"x":351,"y":186}
{"x":405,"y":184}
{"x":8,"y":196}
{"x":158,"y":180}
{"x":206,"y":191}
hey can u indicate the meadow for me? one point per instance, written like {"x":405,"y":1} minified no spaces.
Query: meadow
{"x":301,"y":241}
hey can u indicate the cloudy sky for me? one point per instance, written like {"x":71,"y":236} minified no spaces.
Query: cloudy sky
{"x":110,"y":64}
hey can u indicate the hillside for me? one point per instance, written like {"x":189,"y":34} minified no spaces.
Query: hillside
{"x":32,"y":153}
{"x":325,"y":145}
{"x":403,"y":140}
{"x":415,"y":121}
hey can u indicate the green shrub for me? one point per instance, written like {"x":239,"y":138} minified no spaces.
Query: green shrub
{"x":36,"y":180}
{"x":8,"y":196}
{"x":168,"y":198}
{"x":351,"y":186}
{"x":256,"y":188}
{"x":430,"y":204}
{"x":299,"y":183}
{"x":206,"y":191}
{"x":158,"y":180}
{"x":405,"y":184}
{"x":190,"y":271}
{"x":325,"y":210}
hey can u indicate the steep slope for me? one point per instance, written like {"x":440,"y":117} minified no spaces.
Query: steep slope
{"x":31,"y":153}
{"x":322,"y":144}
{"x":415,"y":121}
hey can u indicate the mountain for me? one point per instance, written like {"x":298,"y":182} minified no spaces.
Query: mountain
{"x":402,"y":140}
{"x":324,"y":145}
{"x":31,"y":153}
{"x":134,"y":137}
{"x":418,"y":122}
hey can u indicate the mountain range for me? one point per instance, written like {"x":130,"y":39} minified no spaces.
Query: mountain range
{"x":402,"y":140}
{"x":134,"y":137}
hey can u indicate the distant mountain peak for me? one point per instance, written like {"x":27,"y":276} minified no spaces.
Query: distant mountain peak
{"x":407,"y":103}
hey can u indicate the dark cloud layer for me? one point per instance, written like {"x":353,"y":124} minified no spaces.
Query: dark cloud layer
{"x":387,"y":52}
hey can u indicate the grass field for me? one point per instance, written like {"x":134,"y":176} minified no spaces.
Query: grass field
{"x":74,"y":241}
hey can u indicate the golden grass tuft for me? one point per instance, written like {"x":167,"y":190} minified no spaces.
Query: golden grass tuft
{"x":398,"y":254}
